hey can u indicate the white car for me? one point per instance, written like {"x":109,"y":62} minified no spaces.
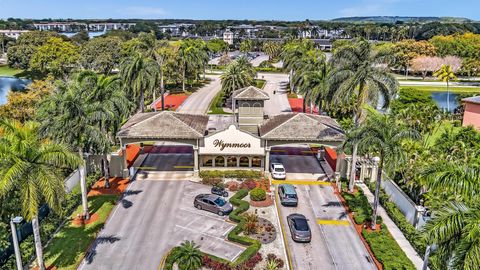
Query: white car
{"x":278,"y":171}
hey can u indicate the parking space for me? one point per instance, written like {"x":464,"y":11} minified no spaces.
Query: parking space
{"x":165,"y":157}
{"x":153,"y":217}
{"x":296,"y":159}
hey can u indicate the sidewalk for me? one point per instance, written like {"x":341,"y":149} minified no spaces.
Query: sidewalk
{"x":394,"y":230}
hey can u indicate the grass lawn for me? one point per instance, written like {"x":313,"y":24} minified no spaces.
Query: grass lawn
{"x":7,"y":71}
{"x":260,"y":83}
{"x":216,"y":105}
{"x":457,"y":89}
{"x":70,"y":244}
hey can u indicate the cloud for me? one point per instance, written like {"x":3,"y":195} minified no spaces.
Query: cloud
{"x":141,"y":11}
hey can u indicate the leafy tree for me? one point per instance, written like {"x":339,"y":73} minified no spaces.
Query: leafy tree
{"x":407,"y":50}
{"x":192,"y":57}
{"x":80,"y":37}
{"x":189,"y":256}
{"x":101,"y":54}
{"x":34,"y":164}
{"x":56,"y":57}
{"x":217,"y":45}
{"x":358,"y":72}
{"x":19,"y":55}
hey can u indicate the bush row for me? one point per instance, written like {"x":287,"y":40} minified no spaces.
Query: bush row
{"x":240,"y":174}
{"x":359,"y":205}
{"x":412,"y":235}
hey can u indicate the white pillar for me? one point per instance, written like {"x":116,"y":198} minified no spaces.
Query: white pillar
{"x":125,"y":164}
{"x":267,"y":159}
{"x":195,"y":159}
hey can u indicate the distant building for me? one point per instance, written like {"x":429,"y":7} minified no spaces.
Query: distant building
{"x":317,"y":32}
{"x":471,"y":116}
{"x":77,"y":26}
{"x":107,"y":26}
{"x":177,"y":30}
{"x":13,"y":33}
{"x":228,"y":36}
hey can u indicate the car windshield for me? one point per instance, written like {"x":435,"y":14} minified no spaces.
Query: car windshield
{"x":291,"y":196}
{"x":277,"y":169}
{"x":300,"y":224}
{"x":220,"y":202}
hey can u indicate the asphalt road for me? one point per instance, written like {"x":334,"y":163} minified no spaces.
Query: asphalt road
{"x":333,"y":246}
{"x":199,"y":101}
{"x":258,"y":60}
{"x":278,"y":103}
{"x":153,"y":217}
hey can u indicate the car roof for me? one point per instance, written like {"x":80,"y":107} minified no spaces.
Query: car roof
{"x":277,"y":164}
{"x":297,"y":216}
{"x":290,"y":189}
{"x":212,"y":197}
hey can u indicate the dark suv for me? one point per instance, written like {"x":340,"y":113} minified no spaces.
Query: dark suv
{"x":213,"y":203}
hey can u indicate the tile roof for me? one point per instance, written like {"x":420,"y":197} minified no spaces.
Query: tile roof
{"x":302,"y":127}
{"x":475,"y":100}
{"x":250,"y":93}
{"x":164,"y":125}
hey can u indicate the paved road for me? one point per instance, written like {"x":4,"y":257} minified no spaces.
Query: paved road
{"x":258,"y":60}
{"x":199,"y":102}
{"x":278,"y":103}
{"x":154,"y":217}
{"x":333,"y":246}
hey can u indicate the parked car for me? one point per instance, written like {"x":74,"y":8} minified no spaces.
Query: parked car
{"x":299,"y":228}
{"x":213,"y":203}
{"x":278,"y":171}
{"x":220,"y":191}
{"x":287,"y":195}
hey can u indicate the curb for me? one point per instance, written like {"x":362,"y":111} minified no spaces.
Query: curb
{"x":287,"y":251}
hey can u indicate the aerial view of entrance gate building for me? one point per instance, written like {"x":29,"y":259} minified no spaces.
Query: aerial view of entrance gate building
{"x":265,"y":135}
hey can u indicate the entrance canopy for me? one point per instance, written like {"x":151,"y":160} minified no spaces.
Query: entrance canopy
{"x":301,"y":128}
{"x":232,"y":141}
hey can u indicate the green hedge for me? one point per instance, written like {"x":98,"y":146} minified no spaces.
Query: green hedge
{"x":240,"y":174}
{"x":386,"y":250}
{"x":358,"y":204}
{"x":413,"y":236}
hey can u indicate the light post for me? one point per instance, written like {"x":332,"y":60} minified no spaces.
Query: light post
{"x":429,"y":249}
{"x":18,"y":257}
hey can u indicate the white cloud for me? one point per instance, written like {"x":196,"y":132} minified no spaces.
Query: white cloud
{"x":141,"y":11}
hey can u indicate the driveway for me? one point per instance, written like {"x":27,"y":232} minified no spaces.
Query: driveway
{"x":278,"y":103}
{"x":335,"y":244}
{"x":258,"y":60}
{"x":199,"y":101}
{"x":153,"y":217}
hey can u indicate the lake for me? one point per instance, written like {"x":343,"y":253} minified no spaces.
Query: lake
{"x":441,"y":99}
{"x":11,"y":83}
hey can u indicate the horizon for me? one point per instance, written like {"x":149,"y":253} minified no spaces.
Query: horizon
{"x":281,"y":10}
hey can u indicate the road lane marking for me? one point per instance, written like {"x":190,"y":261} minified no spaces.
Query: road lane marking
{"x":282,"y":229}
{"x":183,"y":167}
{"x":278,"y":150}
{"x":301,"y":182}
{"x":333,"y":222}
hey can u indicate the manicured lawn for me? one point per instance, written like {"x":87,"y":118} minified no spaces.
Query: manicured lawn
{"x":7,"y":71}
{"x":216,"y":105}
{"x":69,"y":245}
{"x":260,"y":83}
{"x":458,"y":89}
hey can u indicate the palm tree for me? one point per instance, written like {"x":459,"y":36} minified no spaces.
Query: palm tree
{"x":358,"y":71}
{"x":189,"y":256}
{"x":246,"y":45}
{"x":34,"y":166}
{"x":293,"y":54}
{"x":272,"y":49}
{"x":381,"y":135}
{"x":446,"y":74}
{"x":139,"y":74}
{"x":238,"y":74}
{"x":454,"y":231}
{"x":193,"y":56}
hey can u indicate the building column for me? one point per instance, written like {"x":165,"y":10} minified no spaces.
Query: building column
{"x":195,"y":160}
{"x":125,"y":164}
{"x":363,"y":169}
{"x":224,"y":161}
{"x":267,"y":160}
{"x":249,"y":162}
{"x":349,"y":166}
{"x":238,"y":161}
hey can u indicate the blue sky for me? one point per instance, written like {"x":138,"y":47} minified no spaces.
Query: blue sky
{"x":238,"y":9}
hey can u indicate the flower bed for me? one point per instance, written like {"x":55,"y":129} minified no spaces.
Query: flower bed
{"x":265,"y":203}
{"x":239,"y":174}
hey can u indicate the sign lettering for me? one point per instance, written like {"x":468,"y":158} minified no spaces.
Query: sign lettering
{"x":222,"y":145}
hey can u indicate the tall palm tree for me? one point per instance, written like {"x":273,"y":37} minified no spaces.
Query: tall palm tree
{"x":193,"y":56}
{"x":381,"y":135}
{"x":189,"y":256}
{"x":359,"y":71}
{"x":237,"y":75}
{"x":33,"y":165}
{"x":139,"y":74}
{"x":446,"y":74}
{"x":293,"y":54}
{"x":246,"y":45}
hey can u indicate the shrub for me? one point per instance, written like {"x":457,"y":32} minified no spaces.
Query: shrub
{"x":239,"y":174}
{"x":248,"y":184}
{"x":212,"y":181}
{"x":233,"y":186}
{"x":258,"y":194}
{"x":359,"y":205}
{"x":279,"y":263}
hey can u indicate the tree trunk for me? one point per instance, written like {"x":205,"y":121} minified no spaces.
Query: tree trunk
{"x":304,"y":105}
{"x":183,"y":77}
{"x":351,"y":183}
{"x":448,"y":98}
{"x":106,"y":170}
{"x":162,"y":91}
{"x":377,"y":191}
{"x":83,"y":186}
{"x":292,"y":87}
{"x":38,"y":243}
{"x":311,"y":107}
{"x":142,"y":101}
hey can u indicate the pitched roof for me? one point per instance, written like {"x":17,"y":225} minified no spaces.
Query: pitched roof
{"x":302,"y":127}
{"x":250,"y":93}
{"x":475,"y":100}
{"x":164,"y":125}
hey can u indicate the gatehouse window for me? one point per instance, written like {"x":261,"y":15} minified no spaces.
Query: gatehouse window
{"x":244,"y":162}
{"x":207,"y":161}
{"x":231,"y":161}
{"x":219,"y":161}
{"x":256,"y":162}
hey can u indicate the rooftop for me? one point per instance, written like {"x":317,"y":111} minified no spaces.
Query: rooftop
{"x":475,"y":100}
{"x":250,"y":93}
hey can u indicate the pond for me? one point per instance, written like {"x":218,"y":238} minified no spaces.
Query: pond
{"x":11,"y":83}
{"x":441,"y":99}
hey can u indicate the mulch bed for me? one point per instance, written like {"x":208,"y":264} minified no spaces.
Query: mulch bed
{"x":117,"y":186}
{"x":172,"y":101}
{"x":297,"y":106}
{"x":79,"y":221}
{"x":266,"y":232}
{"x":266,"y":203}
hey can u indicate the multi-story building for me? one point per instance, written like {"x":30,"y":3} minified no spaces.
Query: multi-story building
{"x":12,"y":33}
{"x":77,"y":26}
{"x":177,"y":29}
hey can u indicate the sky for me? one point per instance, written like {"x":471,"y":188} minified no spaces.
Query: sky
{"x":292,"y":10}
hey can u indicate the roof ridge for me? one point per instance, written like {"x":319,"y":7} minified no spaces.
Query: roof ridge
{"x":174,"y":115}
{"x":154,"y":114}
{"x":294,"y":115}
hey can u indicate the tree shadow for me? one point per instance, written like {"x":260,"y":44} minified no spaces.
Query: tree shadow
{"x":333,"y":204}
{"x":109,"y":239}
{"x":126,"y":203}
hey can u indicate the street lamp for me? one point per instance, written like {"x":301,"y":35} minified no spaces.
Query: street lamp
{"x":18,"y":257}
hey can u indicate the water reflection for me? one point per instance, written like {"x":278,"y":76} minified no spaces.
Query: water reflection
{"x":8,"y":84}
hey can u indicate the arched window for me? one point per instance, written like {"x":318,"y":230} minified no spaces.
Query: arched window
{"x":244,"y":162}
{"x":207,"y":161}
{"x":244,"y":108}
{"x":257,"y":104}
{"x":231,"y":161}
{"x":256,"y":162}
{"x":220,"y":161}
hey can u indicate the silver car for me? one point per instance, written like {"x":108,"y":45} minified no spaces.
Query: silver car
{"x":299,"y":228}
{"x":213,"y":203}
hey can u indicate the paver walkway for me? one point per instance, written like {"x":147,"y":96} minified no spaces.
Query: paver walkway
{"x":394,"y":230}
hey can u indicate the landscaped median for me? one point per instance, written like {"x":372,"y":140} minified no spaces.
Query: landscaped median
{"x":385,"y":249}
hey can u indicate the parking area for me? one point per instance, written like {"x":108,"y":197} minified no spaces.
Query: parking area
{"x":153,"y":217}
{"x":299,"y":161}
{"x":335,"y":244}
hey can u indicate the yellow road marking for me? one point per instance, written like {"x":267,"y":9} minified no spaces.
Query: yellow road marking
{"x":309,"y":152}
{"x":333,"y":222}
{"x":183,"y":167}
{"x":146,"y":168}
{"x":278,"y":150}
{"x":300,"y":182}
